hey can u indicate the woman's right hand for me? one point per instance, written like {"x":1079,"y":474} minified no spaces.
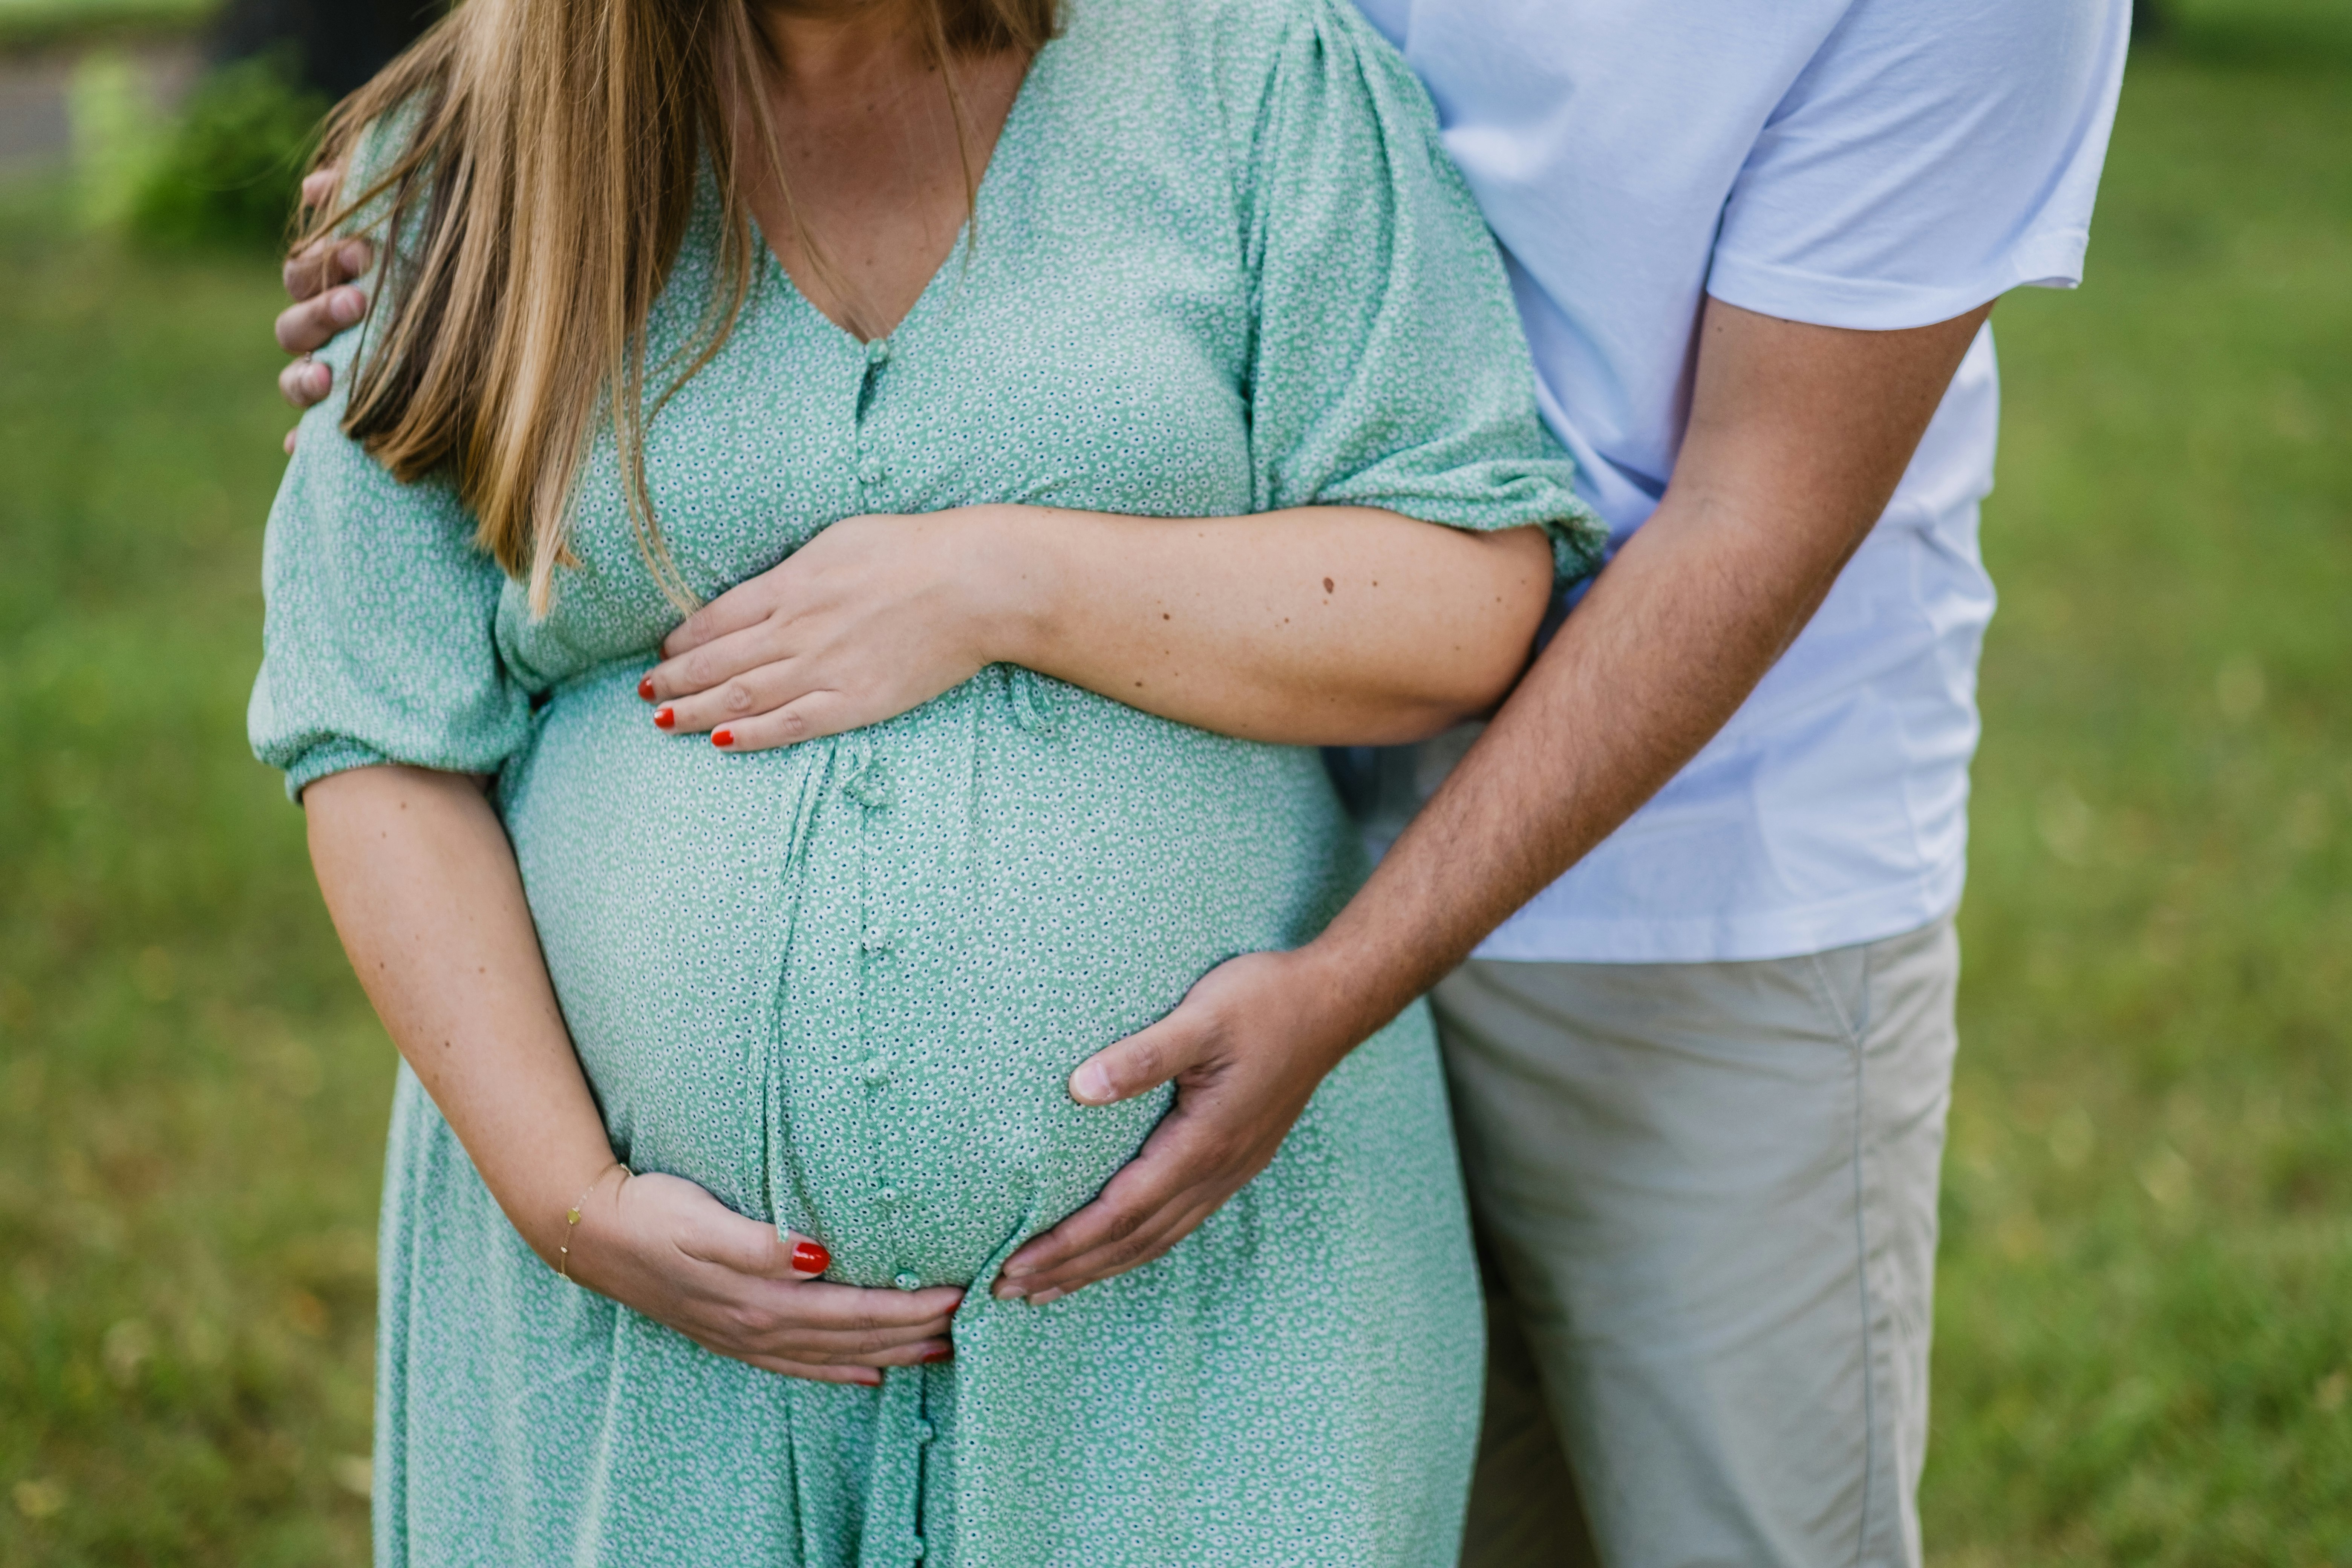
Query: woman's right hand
{"x":734,"y":1286}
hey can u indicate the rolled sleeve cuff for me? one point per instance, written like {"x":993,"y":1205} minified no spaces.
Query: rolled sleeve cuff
{"x":2052,"y":260}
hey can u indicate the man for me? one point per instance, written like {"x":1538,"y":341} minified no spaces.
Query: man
{"x":1701,"y":1048}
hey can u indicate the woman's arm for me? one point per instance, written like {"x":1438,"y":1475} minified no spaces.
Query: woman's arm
{"x":424,"y":890}
{"x":1320,"y":626}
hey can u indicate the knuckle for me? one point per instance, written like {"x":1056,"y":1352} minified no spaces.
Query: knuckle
{"x":792,"y":724}
{"x":736,"y":698}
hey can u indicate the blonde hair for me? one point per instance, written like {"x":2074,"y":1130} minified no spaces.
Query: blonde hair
{"x":551,"y":152}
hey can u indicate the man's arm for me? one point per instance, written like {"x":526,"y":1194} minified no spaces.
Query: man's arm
{"x":1797,"y":436}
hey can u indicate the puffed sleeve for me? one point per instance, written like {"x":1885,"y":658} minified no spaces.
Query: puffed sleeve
{"x":379,"y":639}
{"x":1390,"y":369}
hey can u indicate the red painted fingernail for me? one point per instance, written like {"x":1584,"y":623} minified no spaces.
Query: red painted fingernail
{"x":810,"y":1256}
{"x":946,"y":1353}
{"x":645,"y":689}
{"x":722,"y":737}
{"x":664,"y":719}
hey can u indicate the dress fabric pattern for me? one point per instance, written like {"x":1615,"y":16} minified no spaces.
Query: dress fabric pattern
{"x":1217,"y":265}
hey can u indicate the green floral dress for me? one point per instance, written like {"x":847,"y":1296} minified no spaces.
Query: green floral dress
{"x":1218,"y":266}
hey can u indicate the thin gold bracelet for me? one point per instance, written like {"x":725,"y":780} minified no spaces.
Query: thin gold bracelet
{"x":571,"y":1220}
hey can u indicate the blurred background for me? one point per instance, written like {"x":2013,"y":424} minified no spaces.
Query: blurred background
{"x":2144,"y":1350}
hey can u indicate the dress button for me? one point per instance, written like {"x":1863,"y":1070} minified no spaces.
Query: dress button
{"x":877,"y":936}
{"x":877,"y":351}
{"x":916,"y":1547}
{"x":909,"y":1283}
{"x":869,"y":472}
{"x":886,"y":1196}
{"x":877,"y":1070}
{"x":925,"y":1431}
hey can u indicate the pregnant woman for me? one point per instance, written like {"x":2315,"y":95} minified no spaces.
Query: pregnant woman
{"x":1173,"y":298}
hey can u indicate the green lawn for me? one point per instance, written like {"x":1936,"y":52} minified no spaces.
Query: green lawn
{"x":2146,"y":1324}
{"x":34,"y":22}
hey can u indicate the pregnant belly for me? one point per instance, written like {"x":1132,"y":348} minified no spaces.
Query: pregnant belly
{"x":842,"y":986}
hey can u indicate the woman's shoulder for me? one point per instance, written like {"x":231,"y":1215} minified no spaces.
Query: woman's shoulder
{"x":1244,"y":36}
{"x":1237,"y":55}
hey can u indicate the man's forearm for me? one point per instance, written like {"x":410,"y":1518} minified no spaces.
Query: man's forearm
{"x":1611,"y":711}
{"x":1798,"y":437}
{"x":1318,"y":626}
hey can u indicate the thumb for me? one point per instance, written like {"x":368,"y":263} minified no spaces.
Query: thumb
{"x":1145,"y":1060}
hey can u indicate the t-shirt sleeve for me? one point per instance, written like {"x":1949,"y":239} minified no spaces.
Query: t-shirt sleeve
{"x":1388,"y":368}
{"x":379,"y":638}
{"x":1929,"y":159}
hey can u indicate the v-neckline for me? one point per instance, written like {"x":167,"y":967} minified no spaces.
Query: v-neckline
{"x":957,"y":251}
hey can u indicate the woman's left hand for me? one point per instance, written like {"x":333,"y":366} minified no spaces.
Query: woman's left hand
{"x":875,"y":616}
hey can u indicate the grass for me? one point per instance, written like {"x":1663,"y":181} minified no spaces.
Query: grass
{"x":2145,"y":1350}
{"x":30,"y":22}
{"x":2144,"y":1333}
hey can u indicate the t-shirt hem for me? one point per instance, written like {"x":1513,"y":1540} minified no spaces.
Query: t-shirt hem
{"x":1875,"y":304}
{"x":1736,"y":937}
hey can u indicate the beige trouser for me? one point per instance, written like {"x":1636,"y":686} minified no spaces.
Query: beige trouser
{"x":1708,"y":1197}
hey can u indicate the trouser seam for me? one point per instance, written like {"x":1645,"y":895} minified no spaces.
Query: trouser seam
{"x":1853,"y":1026}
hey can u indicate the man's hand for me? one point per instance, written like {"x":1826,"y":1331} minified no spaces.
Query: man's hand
{"x":318,"y":277}
{"x":872,"y":618}
{"x":1797,"y":436}
{"x":1246,"y":1048}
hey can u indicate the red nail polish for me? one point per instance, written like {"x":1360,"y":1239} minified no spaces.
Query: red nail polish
{"x":810,"y":1256}
{"x":664,"y":718}
{"x":945,"y":1353}
{"x":645,"y":689}
{"x":722,"y":737}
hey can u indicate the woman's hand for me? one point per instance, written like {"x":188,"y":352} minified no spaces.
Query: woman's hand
{"x":872,"y":618}
{"x":670,"y":1250}
{"x":1318,"y":626}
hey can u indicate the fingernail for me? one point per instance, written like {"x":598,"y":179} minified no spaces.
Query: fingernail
{"x":346,"y":306}
{"x":668,"y":717}
{"x":1090,"y":1085}
{"x":1046,"y":1298}
{"x":946,"y":1353}
{"x":719,"y":737}
{"x":810,"y":1256}
{"x":1010,"y":1292}
{"x":645,"y":689}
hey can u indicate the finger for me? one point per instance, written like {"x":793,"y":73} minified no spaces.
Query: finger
{"x":862,"y":1376}
{"x":921,"y":1352}
{"x":717,"y":658}
{"x":304,"y":384}
{"x":1147,"y":1059}
{"x":319,"y":185}
{"x":313,"y":323}
{"x":289,"y":442}
{"x":324,"y":263}
{"x":771,"y":684}
{"x":808,"y":718}
{"x":873,"y":1347}
{"x":909,"y":1314}
{"x":745,"y":604}
{"x":1183,"y":1166}
{"x":1134,"y":1201}
{"x":866,"y":1372}
{"x":1119,"y":1257}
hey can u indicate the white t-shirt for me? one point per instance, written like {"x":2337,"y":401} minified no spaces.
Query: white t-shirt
{"x":1869,"y":164}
